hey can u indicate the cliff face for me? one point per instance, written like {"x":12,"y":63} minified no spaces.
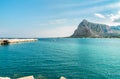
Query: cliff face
{"x":89,"y":29}
{"x":115,"y":28}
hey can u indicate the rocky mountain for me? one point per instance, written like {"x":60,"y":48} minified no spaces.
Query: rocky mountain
{"x":89,"y":29}
{"x":115,"y":28}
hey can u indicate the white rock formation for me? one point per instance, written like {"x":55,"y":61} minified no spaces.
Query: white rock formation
{"x":4,"y":78}
{"x":62,"y":77}
{"x":27,"y":77}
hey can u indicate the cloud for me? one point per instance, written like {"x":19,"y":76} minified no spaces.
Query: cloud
{"x":117,"y":20}
{"x":92,"y":9}
{"x":115,"y":17}
{"x":113,"y":5}
{"x":58,"y":21}
{"x":99,"y":15}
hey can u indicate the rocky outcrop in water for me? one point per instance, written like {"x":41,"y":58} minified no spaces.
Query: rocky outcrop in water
{"x":4,"y":42}
{"x":89,"y":29}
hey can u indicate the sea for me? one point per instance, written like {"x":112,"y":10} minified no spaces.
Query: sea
{"x":73,"y":58}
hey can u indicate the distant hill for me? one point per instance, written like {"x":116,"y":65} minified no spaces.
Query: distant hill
{"x":89,"y":29}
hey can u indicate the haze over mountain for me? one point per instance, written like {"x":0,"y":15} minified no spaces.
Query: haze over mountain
{"x":89,"y":29}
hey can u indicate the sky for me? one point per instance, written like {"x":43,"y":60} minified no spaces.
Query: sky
{"x":53,"y":18}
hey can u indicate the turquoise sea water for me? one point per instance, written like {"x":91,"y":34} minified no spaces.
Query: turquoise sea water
{"x":85,"y":58}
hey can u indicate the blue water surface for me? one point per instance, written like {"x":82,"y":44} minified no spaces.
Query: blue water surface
{"x":73,"y":58}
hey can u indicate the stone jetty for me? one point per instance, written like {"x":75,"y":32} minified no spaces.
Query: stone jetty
{"x":12,"y":41}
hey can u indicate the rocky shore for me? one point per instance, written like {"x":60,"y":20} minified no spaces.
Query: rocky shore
{"x":28,"y":77}
{"x":11,"y":41}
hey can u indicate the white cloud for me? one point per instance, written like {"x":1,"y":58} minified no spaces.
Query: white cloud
{"x":92,"y":9}
{"x":99,"y":15}
{"x":113,"y":5}
{"x":115,"y":17}
{"x":58,"y":21}
{"x":112,"y":19}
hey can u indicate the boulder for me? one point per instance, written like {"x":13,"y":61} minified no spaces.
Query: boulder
{"x":27,"y":77}
{"x":62,"y":77}
{"x":4,"y":77}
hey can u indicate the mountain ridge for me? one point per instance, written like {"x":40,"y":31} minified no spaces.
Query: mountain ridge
{"x":90,"y":29}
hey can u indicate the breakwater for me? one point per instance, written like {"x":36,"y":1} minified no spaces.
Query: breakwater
{"x":11,"y":41}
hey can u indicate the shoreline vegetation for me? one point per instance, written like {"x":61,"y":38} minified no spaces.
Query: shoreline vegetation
{"x":13,"y":41}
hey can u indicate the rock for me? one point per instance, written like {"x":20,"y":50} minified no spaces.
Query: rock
{"x":62,"y":77}
{"x":40,"y":77}
{"x":4,"y":78}
{"x":4,"y":42}
{"x":89,"y":29}
{"x":12,"y":41}
{"x":115,"y":28}
{"x":27,"y":77}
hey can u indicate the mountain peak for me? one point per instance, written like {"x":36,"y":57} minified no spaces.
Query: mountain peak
{"x":84,"y":20}
{"x":89,"y":29}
